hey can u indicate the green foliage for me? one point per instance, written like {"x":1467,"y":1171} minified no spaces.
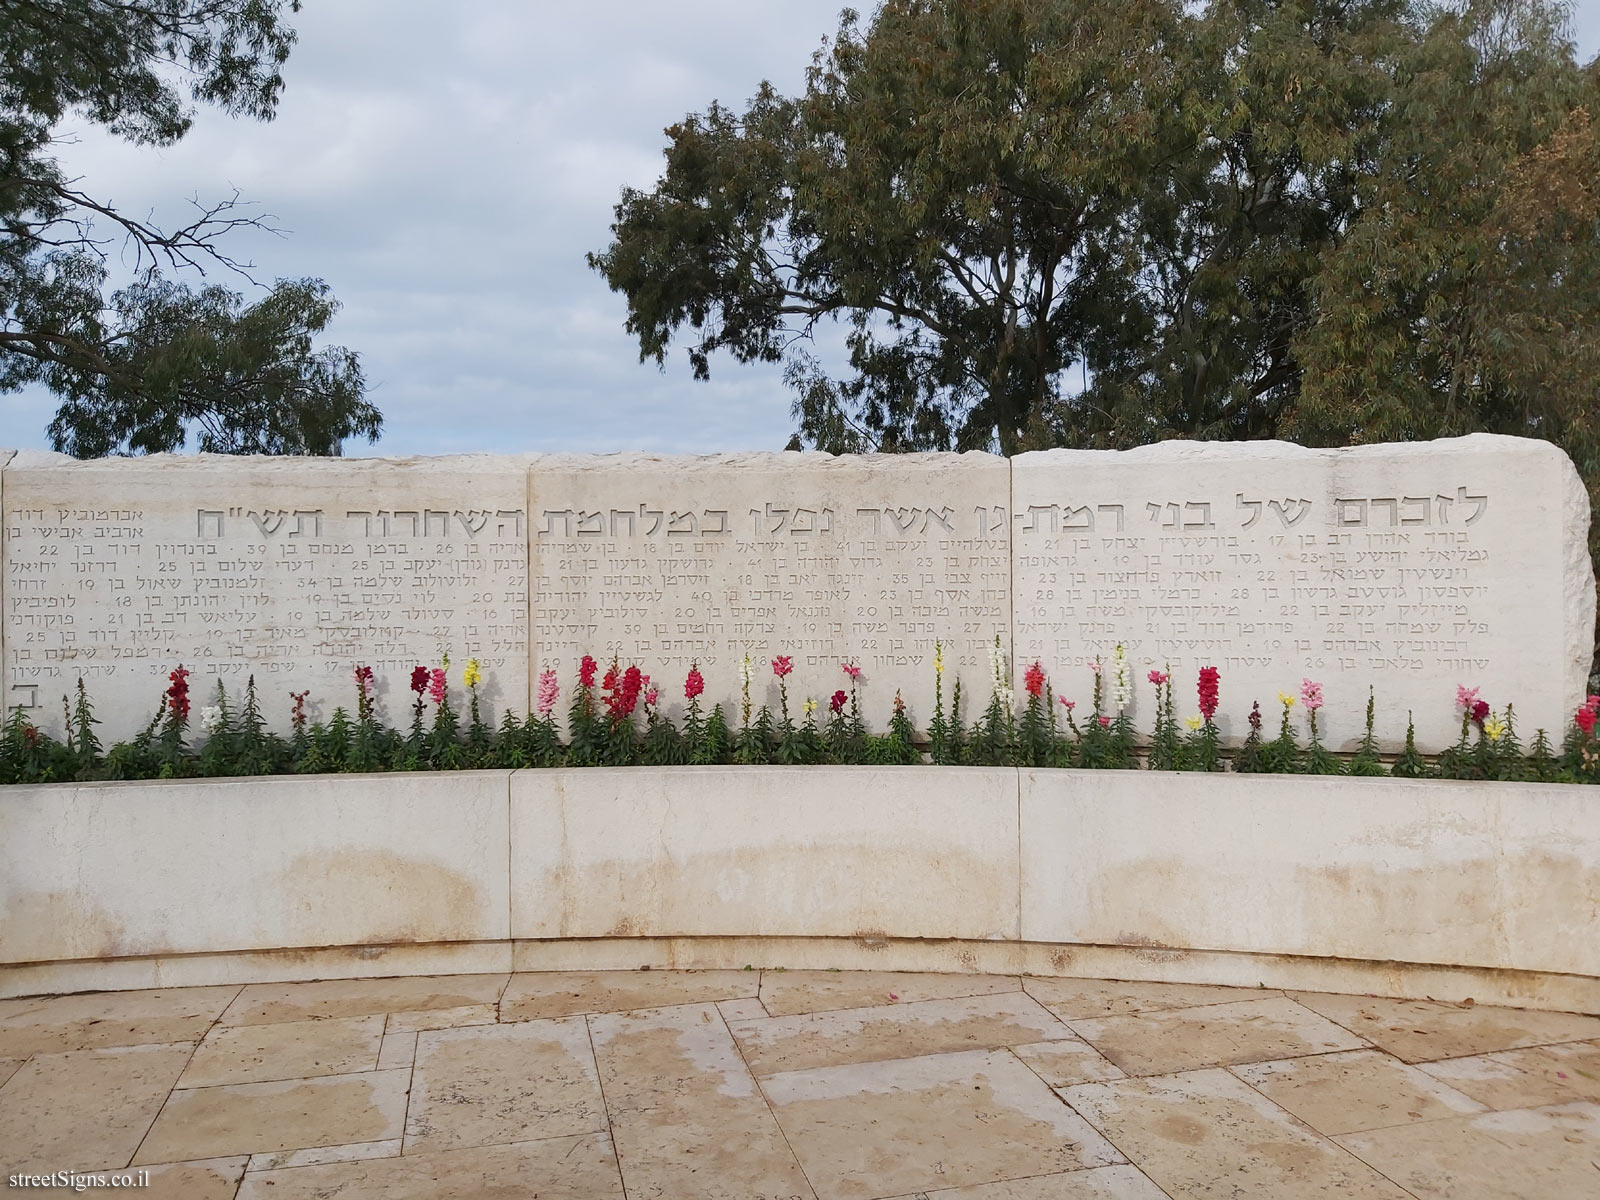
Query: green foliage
{"x":1319,"y":760}
{"x":1366,"y":761}
{"x":1410,"y":764}
{"x":718,"y":742}
{"x":157,"y":361}
{"x":1282,"y":755}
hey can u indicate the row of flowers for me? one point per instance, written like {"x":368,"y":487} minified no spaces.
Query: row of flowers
{"x":615,"y":718}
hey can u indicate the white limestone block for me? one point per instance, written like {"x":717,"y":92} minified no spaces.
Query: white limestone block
{"x":1412,"y":568}
{"x":670,"y":561}
{"x":293,"y":570}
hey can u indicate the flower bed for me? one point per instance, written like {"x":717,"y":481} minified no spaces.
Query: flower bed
{"x":618,"y":719}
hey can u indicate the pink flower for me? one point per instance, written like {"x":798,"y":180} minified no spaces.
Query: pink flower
{"x":782,"y":665}
{"x":651,"y":697}
{"x":1311,"y":694}
{"x":694,"y":684}
{"x":1105,"y":722}
{"x":1158,"y":677}
{"x":1033,"y":679}
{"x":1069,"y":705}
{"x":1466,"y":697}
{"x":1095,"y":666}
{"x":851,"y":670}
{"x":436,"y":685}
{"x":1585,"y":717}
{"x":549,"y":691}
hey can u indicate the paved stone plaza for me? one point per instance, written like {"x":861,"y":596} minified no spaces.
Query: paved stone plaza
{"x":777,"y":1084}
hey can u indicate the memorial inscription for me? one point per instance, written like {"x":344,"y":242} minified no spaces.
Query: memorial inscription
{"x":285,"y":570}
{"x":1410,"y":568}
{"x":666,"y":562}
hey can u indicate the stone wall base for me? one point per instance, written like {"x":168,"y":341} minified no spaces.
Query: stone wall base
{"x":1417,"y":981}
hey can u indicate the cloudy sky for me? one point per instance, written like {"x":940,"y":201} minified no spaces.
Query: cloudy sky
{"x":445,"y":168}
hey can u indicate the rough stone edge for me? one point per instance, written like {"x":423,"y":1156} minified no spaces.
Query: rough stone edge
{"x":1411,"y":981}
{"x":5,"y":663}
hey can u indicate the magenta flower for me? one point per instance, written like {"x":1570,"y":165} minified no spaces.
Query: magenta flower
{"x":782,"y":665}
{"x":1069,"y":705}
{"x":851,"y":670}
{"x":1105,"y":722}
{"x":694,"y":684}
{"x":1158,"y":677}
{"x":436,"y":685}
{"x":651,"y":697}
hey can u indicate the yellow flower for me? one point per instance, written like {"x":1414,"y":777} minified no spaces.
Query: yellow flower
{"x":1493,"y":727}
{"x":1193,"y":722}
{"x":938,"y":658}
{"x":1285,"y":699}
{"x":472,"y":677}
{"x":810,"y":706}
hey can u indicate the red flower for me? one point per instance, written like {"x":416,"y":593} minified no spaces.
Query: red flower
{"x":419,"y":680}
{"x":624,"y":692}
{"x":1255,"y":716}
{"x":693,"y":685}
{"x":782,"y":665}
{"x":609,"y":683}
{"x":178,"y":694}
{"x":586,"y":670}
{"x":838,"y":701}
{"x":1033,"y":679}
{"x":30,"y":735}
{"x":1480,"y":710}
{"x":1209,"y":678}
{"x":1585,"y":718}
{"x":1105,"y":722}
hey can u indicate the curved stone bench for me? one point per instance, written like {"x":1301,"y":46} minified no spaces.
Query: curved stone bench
{"x":1409,"y":888}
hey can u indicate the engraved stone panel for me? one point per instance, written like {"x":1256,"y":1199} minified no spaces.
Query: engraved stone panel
{"x":5,"y":458}
{"x":291,"y":570}
{"x":1412,"y":568}
{"x":669,"y":561}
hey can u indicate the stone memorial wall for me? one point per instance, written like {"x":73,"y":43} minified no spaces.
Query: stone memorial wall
{"x":1411,"y":568}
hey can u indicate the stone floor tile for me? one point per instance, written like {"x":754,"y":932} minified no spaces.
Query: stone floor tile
{"x":534,"y":995}
{"x":1185,"y":1039}
{"x":1209,"y":1134}
{"x":685,"y":1112}
{"x":488,"y":1084}
{"x":8,"y":1068}
{"x":1072,"y":999}
{"x":853,"y":1035}
{"x":257,"y":1118}
{"x":1355,"y":1090}
{"x":945,"y":1120}
{"x":86,"y":1110}
{"x":265,"y":1003}
{"x":788,"y":993}
{"x":443,"y":1018}
{"x":318,"y":1155}
{"x":51,"y":1024}
{"x":289,"y":1050}
{"x":1097,"y":1183}
{"x":209,"y":1179}
{"x":398,"y":1050}
{"x":746,"y":1008}
{"x":568,"y":1168}
{"x":1524,"y":1154}
{"x":1424,"y":1030}
{"x":1530,"y":1078}
{"x":1067,"y":1062}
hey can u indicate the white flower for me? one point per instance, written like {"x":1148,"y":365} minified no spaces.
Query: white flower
{"x":1121,"y":678}
{"x":211,"y":718}
{"x":997,"y":665}
{"x":1007,"y":699}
